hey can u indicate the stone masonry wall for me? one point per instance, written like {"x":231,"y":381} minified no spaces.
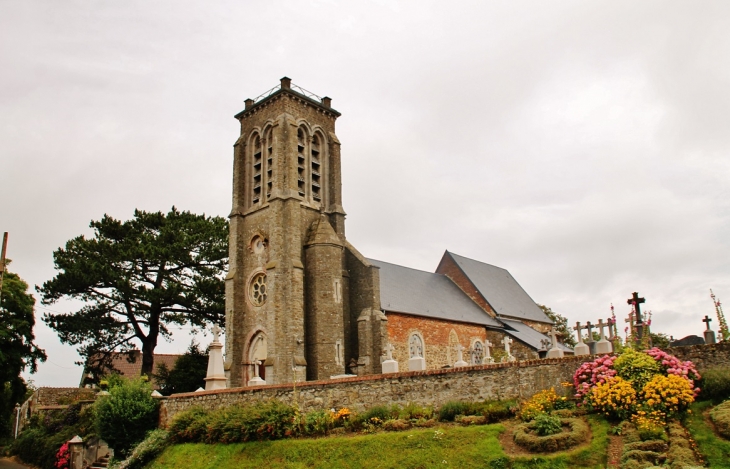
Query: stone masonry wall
{"x":434,"y":387}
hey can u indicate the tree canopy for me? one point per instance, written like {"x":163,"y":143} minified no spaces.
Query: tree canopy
{"x":561,"y":325}
{"x":188,"y":373}
{"x":17,"y":350}
{"x":136,"y":279}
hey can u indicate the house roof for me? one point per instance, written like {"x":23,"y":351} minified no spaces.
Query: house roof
{"x":411,"y":291}
{"x":131,"y":369}
{"x":524,"y":333}
{"x":500,"y":289}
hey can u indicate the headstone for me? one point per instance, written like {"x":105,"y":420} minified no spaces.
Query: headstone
{"x":416,"y":362}
{"x":689,"y":340}
{"x":709,"y":333}
{"x":459,"y":356}
{"x":581,"y":348}
{"x":256,"y":380}
{"x":590,"y":342}
{"x":215,"y":378}
{"x":389,"y":365}
{"x":488,"y":360}
{"x":555,"y":351}
{"x":603,"y":345}
{"x":507,"y":358}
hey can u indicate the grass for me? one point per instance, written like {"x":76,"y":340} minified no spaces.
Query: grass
{"x":442,"y":447}
{"x":716,"y":450}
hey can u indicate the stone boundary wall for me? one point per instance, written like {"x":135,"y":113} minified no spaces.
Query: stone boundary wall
{"x":434,"y":387}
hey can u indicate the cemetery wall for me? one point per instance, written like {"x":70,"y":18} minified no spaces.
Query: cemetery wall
{"x":501,"y":381}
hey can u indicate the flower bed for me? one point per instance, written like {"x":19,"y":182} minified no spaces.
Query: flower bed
{"x":575,"y":431}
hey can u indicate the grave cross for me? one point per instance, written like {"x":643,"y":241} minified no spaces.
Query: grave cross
{"x":635,"y":301}
{"x":389,"y":351}
{"x":216,"y":332}
{"x":611,"y":327}
{"x":544,"y":344}
{"x":601,"y":327}
{"x":487,"y":353}
{"x":577,"y":328}
{"x":707,"y":321}
{"x":554,"y":338}
{"x":506,"y":341}
{"x":459,"y":352}
{"x":589,"y":328}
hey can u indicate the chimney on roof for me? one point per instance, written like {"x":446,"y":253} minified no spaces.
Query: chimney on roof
{"x":286,"y":83}
{"x":327,"y":101}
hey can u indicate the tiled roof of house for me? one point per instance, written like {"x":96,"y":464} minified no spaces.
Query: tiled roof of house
{"x":121,"y":364}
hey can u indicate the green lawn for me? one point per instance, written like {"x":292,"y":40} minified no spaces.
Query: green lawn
{"x":463,"y":447}
{"x":716,"y":450}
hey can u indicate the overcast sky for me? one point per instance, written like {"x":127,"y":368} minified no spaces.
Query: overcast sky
{"x":581,"y":145}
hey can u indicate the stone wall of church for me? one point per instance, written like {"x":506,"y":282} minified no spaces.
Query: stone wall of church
{"x":517,"y":348}
{"x":434,"y":387}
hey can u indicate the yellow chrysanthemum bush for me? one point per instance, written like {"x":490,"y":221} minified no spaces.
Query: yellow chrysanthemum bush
{"x":615,"y":398}
{"x":670,"y":394}
{"x":542,"y":402}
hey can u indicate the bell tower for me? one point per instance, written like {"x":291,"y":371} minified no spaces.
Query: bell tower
{"x":287,"y":307}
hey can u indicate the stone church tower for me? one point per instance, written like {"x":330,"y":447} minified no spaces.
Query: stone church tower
{"x":301,"y":302}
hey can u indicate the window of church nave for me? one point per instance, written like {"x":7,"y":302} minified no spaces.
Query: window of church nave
{"x":416,"y":346}
{"x":257,"y":290}
{"x":477,"y":353}
{"x":269,"y":163}
{"x":301,"y":162}
{"x":316,"y":168}
{"x":256,"y":173}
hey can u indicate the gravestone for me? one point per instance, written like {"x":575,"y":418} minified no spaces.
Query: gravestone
{"x":488,"y":360}
{"x":555,"y":351}
{"x":590,"y":342}
{"x":603,"y":345}
{"x":256,"y":380}
{"x":709,"y":333}
{"x":581,"y":348}
{"x":636,"y":302}
{"x":507,"y":358}
{"x":389,"y":365}
{"x":689,"y":340}
{"x":459,"y":356}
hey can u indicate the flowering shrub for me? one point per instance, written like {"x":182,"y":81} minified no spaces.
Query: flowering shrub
{"x":636,"y":367}
{"x":614,"y":397}
{"x":62,"y":457}
{"x":650,"y":425}
{"x":670,"y":394}
{"x":542,"y":402}
{"x":546,"y":424}
{"x":590,"y":374}
{"x":671,"y":365}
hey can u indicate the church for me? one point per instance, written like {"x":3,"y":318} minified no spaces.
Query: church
{"x":302,"y":303}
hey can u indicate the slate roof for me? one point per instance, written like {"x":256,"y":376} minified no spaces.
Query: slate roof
{"x":411,"y":291}
{"x":528,"y":335}
{"x":500,"y":289}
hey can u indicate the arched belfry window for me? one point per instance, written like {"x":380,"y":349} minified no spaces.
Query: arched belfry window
{"x":302,"y":162}
{"x":316,"y":168}
{"x":256,"y":170}
{"x":269,"y":145}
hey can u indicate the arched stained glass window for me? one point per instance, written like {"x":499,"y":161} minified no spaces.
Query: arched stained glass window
{"x":415,"y":346}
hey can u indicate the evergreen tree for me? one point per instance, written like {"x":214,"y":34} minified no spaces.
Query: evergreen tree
{"x":187,"y":375}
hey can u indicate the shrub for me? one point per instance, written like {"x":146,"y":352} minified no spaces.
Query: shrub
{"x":650,"y":425}
{"x":415,"y":411}
{"x":546,"y":424}
{"x":526,"y":437}
{"x":615,"y":398}
{"x":151,"y":447}
{"x":380,"y":412}
{"x":318,"y":422}
{"x":671,"y":365}
{"x":471,"y":420}
{"x":638,"y":368}
{"x":189,"y":426}
{"x":715,"y":384}
{"x":649,"y":458}
{"x":590,"y":374}
{"x":449,"y":410}
{"x":496,"y":411}
{"x":541,"y":402}
{"x":720,"y":416}
{"x":124,"y":417}
{"x":396,"y":425}
{"x":670,"y":394}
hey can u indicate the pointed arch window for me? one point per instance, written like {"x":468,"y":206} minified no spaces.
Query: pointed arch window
{"x":261,"y":180}
{"x":310,"y":167}
{"x":256,"y":174}
{"x":477,"y":353}
{"x":269,"y":150}
{"x":415,"y":346}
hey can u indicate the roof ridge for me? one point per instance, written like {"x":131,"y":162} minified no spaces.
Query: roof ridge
{"x":406,"y":267}
{"x":453,"y":254}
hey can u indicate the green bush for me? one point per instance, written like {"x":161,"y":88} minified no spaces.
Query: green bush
{"x":636,"y":367}
{"x":546,"y":424}
{"x":496,"y":411}
{"x":415,"y":412}
{"x":720,"y":416}
{"x":124,"y":417}
{"x":715,"y":384}
{"x":189,"y":426}
{"x":151,"y":447}
{"x":318,"y":422}
{"x":526,"y":436}
{"x":449,"y":410}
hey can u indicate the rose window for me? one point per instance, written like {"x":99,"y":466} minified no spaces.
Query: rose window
{"x":257,"y":290}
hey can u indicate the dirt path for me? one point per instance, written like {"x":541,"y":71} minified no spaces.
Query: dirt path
{"x":6,"y":463}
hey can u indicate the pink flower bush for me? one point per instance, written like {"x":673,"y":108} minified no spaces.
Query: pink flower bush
{"x":62,"y":457}
{"x":592,"y":374}
{"x":671,"y":365}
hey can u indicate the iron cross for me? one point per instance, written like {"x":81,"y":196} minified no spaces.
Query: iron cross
{"x":707,"y":321}
{"x":636,"y":301}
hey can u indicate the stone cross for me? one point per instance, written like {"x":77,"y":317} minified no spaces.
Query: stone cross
{"x":544,"y":344}
{"x":630,"y":321}
{"x":601,"y":327}
{"x":459,"y":352}
{"x":487,"y":353}
{"x":389,"y":351}
{"x":256,"y":364}
{"x":578,"y":328}
{"x":554,"y":338}
{"x":611,"y":325}
{"x":589,"y":328}
{"x":635,"y":301}
{"x":707,"y":321}
{"x":506,"y":341}
{"x":216,"y":332}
